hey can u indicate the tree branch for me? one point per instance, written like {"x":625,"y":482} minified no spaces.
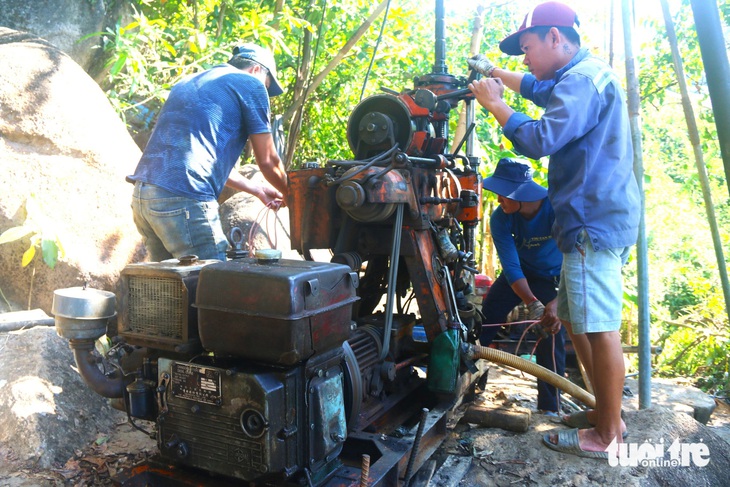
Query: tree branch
{"x":296,"y":103}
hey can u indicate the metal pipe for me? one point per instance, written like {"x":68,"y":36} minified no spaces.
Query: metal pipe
{"x":642,"y":259}
{"x":465,"y":92}
{"x":410,"y":361}
{"x":439,"y":66}
{"x":717,"y":69}
{"x":111,"y":386}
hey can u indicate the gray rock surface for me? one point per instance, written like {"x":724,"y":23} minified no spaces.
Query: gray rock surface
{"x":64,"y":24}
{"x":46,"y":410}
{"x":686,"y":399}
{"x":504,"y":458}
{"x":61,"y":140}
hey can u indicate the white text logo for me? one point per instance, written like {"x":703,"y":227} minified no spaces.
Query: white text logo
{"x":655,"y":455}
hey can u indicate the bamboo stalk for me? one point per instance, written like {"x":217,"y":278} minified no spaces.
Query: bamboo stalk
{"x":642,"y":264}
{"x":694,"y":137}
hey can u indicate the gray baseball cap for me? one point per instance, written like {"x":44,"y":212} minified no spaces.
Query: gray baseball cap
{"x":265,"y":58}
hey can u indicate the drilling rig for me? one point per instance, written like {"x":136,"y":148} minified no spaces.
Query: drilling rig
{"x":285,"y":372}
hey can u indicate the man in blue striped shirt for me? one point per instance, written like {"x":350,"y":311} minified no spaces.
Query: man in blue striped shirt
{"x":199,"y":136}
{"x":585,"y":132}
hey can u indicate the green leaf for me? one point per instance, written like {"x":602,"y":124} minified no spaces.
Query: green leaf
{"x":119,"y":64}
{"x":50,"y":252}
{"x":15,"y":233}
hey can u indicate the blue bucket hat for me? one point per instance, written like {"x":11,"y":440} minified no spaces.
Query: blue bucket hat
{"x":265,"y":58}
{"x":513,"y":179}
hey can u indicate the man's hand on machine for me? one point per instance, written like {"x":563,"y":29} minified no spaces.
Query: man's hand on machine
{"x":270,"y":197}
{"x":535,"y":312}
{"x":481,"y":64}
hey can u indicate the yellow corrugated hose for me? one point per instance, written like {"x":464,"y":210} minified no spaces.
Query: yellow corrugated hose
{"x":538,"y":371}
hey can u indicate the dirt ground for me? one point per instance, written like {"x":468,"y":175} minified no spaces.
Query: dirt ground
{"x":488,"y":456}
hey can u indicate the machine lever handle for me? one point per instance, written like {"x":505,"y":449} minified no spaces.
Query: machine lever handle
{"x":455,"y":94}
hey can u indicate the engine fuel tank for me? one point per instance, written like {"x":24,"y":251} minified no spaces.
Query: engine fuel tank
{"x":280,"y":312}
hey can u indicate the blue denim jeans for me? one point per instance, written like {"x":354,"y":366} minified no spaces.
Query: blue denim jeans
{"x":173,"y":226}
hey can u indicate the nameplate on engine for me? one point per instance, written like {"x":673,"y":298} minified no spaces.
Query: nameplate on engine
{"x":196,"y":383}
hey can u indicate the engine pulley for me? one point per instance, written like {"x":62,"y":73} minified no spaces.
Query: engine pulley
{"x":378,"y":123}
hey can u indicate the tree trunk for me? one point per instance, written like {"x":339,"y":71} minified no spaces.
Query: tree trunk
{"x":301,"y":89}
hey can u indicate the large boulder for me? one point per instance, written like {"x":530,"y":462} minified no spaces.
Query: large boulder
{"x":46,"y":410}
{"x":61,"y":140}
{"x":67,"y":24}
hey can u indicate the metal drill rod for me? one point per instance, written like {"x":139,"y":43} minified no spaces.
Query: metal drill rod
{"x":454,"y":94}
{"x":416,"y":445}
{"x":365,"y":472}
{"x":439,"y":66}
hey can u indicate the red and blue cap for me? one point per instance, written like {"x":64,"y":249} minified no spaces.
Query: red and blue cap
{"x":547,"y":14}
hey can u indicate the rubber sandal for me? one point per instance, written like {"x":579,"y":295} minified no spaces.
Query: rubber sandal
{"x":569,"y":442}
{"x":580,"y":420}
{"x":576,"y":420}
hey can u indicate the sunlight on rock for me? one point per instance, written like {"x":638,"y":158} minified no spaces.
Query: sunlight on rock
{"x":33,"y":395}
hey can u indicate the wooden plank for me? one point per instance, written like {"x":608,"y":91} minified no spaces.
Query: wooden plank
{"x":510,"y":419}
{"x":451,"y":472}
{"x":16,"y":320}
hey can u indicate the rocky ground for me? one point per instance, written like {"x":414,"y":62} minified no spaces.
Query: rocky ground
{"x":501,"y":458}
{"x":470,"y":456}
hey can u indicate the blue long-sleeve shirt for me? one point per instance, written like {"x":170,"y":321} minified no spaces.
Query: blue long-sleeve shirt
{"x":526,"y":245}
{"x":585,"y":131}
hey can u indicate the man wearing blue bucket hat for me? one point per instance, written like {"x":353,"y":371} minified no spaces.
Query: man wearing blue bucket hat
{"x":520,"y":229}
{"x":199,"y":135}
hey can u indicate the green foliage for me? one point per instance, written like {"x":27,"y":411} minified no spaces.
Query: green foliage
{"x":688,"y":314}
{"x":38,"y":228}
{"x":696,"y":344}
{"x":167,"y":41}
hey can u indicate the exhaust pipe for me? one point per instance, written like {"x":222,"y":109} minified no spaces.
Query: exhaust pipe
{"x":81,"y":316}
{"x":111,"y":386}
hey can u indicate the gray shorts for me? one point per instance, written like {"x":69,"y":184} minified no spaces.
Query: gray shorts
{"x":590,"y":296}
